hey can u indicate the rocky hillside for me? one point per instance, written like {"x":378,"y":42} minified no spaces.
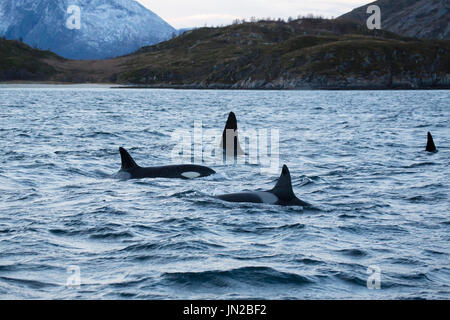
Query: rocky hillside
{"x":108,"y":28}
{"x":425,"y":19}
{"x":307,"y":53}
{"x":301,"y":54}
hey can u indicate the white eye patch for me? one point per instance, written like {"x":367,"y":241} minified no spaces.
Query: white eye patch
{"x":191,"y":175}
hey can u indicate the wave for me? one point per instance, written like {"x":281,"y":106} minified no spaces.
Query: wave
{"x":353,"y":252}
{"x":419,"y":165}
{"x":93,"y":233}
{"x":33,"y":284}
{"x":415,"y":276}
{"x":295,"y":226}
{"x":187,"y":194}
{"x":255,"y":276}
{"x":112,"y":235}
{"x":309,"y":261}
{"x":196,"y":245}
{"x":156,"y":133}
{"x":351,"y":278}
{"x":100,"y":134}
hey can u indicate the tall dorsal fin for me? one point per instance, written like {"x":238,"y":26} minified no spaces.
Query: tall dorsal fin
{"x":231,"y":122}
{"x":431,"y":147}
{"x":127,"y":161}
{"x":283,"y":188}
{"x":231,"y":132}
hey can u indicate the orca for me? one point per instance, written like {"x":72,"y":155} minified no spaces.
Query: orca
{"x":230,"y":135}
{"x":282,"y":194}
{"x":431,"y":147}
{"x":130,"y":170}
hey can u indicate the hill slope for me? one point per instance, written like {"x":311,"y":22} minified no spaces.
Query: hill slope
{"x":426,"y":19}
{"x":301,"y":54}
{"x":109,"y":28}
{"x":19,"y":61}
{"x":307,"y":53}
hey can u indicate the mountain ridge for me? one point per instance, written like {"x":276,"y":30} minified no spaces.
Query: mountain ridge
{"x":424,"y":19}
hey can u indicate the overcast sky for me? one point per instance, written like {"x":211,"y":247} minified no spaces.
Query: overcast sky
{"x":195,"y":13}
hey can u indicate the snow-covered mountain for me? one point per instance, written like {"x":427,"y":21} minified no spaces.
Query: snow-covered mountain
{"x":107,"y":28}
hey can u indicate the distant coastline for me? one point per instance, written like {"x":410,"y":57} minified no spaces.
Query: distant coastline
{"x":303,"y":54}
{"x":211,"y":87}
{"x":218,"y":87}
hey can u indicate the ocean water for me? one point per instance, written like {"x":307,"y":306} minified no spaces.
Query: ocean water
{"x":380,"y":204}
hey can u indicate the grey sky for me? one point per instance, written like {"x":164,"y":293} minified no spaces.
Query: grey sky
{"x":191,"y":13}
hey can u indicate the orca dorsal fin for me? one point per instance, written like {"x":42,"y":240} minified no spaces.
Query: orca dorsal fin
{"x":283,"y":188}
{"x":127,"y":161}
{"x":231,"y":132}
{"x":431,"y":147}
{"x":231,"y":122}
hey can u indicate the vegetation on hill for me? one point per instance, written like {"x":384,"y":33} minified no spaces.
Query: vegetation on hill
{"x":304,"y":53}
{"x":298,"y":54}
{"x":19,"y":61}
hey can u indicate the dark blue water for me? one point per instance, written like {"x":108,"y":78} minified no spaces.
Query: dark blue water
{"x":378,"y":198}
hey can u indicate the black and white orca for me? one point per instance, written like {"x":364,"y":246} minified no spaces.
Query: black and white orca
{"x":130,"y":170}
{"x":282,"y":194}
{"x":431,"y":147}
{"x":230,"y":140}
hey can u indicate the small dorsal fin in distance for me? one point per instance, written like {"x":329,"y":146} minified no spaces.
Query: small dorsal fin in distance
{"x":283,"y":188}
{"x":231,"y":132}
{"x":431,"y":147}
{"x":127,"y":161}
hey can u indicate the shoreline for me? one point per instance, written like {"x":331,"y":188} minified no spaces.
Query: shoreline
{"x":217,"y":87}
{"x":184,"y":87}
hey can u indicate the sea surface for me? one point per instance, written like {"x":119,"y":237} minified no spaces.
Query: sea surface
{"x":70,"y":229}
